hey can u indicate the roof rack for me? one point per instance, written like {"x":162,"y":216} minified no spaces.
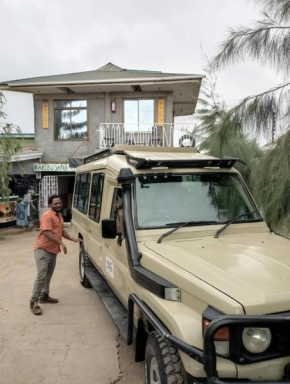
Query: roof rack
{"x":141,"y":163}
{"x":98,"y":155}
{"x":116,"y":150}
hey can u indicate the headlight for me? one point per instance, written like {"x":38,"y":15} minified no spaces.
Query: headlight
{"x":257,"y":340}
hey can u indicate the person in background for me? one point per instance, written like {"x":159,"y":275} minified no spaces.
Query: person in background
{"x":48,"y":245}
{"x":22,"y":208}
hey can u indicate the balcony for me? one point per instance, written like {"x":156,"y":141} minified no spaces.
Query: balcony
{"x":166,"y":135}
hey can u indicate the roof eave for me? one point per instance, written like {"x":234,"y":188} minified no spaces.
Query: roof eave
{"x":149,"y":80}
{"x":27,"y":156}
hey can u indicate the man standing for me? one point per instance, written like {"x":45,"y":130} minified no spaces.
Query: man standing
{"x":48,"y":245}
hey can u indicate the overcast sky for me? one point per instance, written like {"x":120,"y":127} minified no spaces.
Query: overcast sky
{"x":41,"y":38}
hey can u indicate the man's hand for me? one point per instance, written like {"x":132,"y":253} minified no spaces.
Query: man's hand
{"x":69,"y":237}
{"x":75,"y":240}
{"x":63,"y":248}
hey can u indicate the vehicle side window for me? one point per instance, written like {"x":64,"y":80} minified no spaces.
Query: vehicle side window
{"x":77,"y":187}
{"x":82,"y":190}
{"x":96,"y":197}
{"x":116,"y":197}
{"x":117,"y":212}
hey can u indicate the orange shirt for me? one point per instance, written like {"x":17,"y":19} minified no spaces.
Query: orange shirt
{"x":50,"y":221}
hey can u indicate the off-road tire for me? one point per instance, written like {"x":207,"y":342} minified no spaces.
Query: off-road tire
{"x":84,"y":263}
{"x":170,"y":368}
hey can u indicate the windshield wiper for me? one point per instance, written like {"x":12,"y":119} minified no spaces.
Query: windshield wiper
{"x":230,"y":222}
{"x":183,"y":225}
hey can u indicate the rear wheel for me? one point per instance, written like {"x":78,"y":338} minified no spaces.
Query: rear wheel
{"x":84,"y":263}
{"x":162,"y":362}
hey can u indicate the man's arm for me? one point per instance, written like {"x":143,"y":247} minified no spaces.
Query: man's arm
{"x":69,"y":237}
{"x":52,"y":237}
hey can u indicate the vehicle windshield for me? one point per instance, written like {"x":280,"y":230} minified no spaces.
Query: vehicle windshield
{"x":201,"y":198}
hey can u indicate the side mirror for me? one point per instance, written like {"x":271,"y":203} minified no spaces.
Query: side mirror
{"x":109,"y":229}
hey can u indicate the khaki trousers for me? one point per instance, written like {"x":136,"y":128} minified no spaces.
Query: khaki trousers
{"x":45,"y":262}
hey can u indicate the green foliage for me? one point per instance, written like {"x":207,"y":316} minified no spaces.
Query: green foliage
{"x":267,"y":41}
{"x":222,"y":131}
{"x":280,"y":9}
{"x":8,"y":148}
{"x":235,"y":145}
{"x":260,"y":114}
{"x":270,"y":181}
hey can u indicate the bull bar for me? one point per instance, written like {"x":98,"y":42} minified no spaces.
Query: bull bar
{"x":207,"y":357}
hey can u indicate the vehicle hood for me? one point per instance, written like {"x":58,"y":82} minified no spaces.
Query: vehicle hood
{"x":253,"y":269}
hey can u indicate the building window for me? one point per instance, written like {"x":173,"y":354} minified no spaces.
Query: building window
{"x":82,"y":190}
{"x":139,"y":115}
{"x":96,"y":197}
{"x":70,"y":119}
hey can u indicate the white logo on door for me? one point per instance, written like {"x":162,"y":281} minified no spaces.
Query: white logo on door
{"x":110,"y":267}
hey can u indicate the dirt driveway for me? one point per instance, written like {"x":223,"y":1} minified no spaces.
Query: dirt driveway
{"x":73,"y":342}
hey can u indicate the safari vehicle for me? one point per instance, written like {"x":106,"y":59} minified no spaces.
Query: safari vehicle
{"x":178,"y":238}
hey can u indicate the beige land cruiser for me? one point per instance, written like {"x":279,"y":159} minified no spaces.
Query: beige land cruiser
{"x":203,"y":283}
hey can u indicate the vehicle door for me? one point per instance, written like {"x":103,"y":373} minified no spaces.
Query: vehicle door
{"x":95,"y":230}
{"x":114,"y":250}
{"x":80,"y":204}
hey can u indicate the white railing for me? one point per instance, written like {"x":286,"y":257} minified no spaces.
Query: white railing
{"x":166,"y":135}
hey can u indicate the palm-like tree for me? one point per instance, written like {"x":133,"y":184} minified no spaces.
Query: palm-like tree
{"x":268,"y":42}
{"x":270,"y":182}
{"x":221,"y":131}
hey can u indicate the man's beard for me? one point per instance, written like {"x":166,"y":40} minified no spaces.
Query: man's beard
{"x":57,"y":209}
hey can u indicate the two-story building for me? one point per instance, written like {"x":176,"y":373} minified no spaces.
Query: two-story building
{"x":79,"y":113}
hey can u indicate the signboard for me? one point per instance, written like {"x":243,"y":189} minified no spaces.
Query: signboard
{"x":45,"y":115}
{"x":8,"y":210}
{"x":44,"y":167}
{"x":160,"y":119}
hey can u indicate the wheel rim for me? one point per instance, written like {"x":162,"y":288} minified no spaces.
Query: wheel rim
{"x":154,"y":372}
{"x":82,"y":266}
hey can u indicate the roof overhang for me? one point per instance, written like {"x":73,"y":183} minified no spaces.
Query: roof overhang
{"x":185,"y":88}
{"x":27,"y":156}
{"x":65,"y":83}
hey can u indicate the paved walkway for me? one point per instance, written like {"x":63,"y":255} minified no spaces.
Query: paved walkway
{"x":73,"y":342}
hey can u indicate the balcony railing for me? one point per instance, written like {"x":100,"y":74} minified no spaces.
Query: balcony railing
{"x":166,"y":135}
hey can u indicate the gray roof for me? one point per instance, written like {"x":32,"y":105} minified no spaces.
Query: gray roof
{"x":111,"y":78}
{"x":107,"y":72}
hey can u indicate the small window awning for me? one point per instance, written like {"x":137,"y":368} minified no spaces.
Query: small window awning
{"x":26,"y":156}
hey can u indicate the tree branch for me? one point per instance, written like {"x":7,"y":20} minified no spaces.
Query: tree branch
{"x":267,"y":43}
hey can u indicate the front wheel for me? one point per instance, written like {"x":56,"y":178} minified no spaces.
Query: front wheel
{"x":84,"y":263}
{"x":162,"y":362}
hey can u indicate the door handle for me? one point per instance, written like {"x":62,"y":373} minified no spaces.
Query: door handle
{"x":107,"y":245}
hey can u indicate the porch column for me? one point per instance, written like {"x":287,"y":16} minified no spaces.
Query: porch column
{"x":169,"y":119}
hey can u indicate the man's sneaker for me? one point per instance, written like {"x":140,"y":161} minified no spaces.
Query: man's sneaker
{"x":35,"y":308}
{"x":47,"y":299}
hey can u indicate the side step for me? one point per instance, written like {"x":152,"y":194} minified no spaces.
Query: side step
{"x":113,"y":305}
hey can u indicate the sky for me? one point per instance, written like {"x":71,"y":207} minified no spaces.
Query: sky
{"x":40,"y":38}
